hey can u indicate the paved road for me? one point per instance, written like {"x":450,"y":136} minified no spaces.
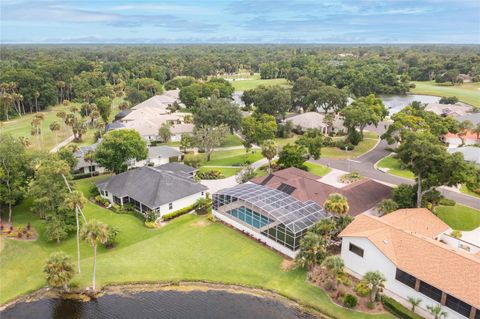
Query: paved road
{"x":365,"y":166}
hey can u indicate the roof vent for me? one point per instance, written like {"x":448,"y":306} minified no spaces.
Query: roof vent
{"x":385,"y":242}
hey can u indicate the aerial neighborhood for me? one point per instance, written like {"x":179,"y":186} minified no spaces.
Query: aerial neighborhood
{"x":270,"y":168}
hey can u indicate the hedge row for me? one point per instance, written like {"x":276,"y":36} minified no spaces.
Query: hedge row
{"x":178,"y":212}
{"x":398,"y":310}
{"x":84,"y":175}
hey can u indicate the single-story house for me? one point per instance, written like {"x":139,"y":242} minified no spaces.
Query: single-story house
{"x":362,"y":195}
{"x":448,"y":109}
{"x":472,"y":117}
{"x":179,"y":168}
{"x":158,"y":155}
{"x":453,"y":140}
{"x":83,"y":166}
{"x":152,"y":189}
{"x":470,"y":153}
{"x":419,"y":258}
{"x":271,"y":216}
{"x":160,"y":102}
{"x":311,"y":120}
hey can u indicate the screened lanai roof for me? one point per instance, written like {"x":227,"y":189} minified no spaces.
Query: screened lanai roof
{"x":288,"y":210}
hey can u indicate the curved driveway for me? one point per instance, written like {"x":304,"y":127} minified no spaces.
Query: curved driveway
{"x":365,"y":166}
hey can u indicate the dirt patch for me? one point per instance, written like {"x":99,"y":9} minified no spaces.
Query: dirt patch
{"x":346,"y":285}
{"x":202,"y":223}
{"x":288,"y":264}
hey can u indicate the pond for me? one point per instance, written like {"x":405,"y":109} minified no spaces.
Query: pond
{"x":395,"y":103}
{"x":159,"y":304}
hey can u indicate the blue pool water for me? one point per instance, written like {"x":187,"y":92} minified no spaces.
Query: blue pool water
{"x":250,"y":217}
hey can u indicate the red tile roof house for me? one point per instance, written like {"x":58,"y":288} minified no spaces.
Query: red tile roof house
{"x":413,"y":249}
{"x":361,"y":196}
{"x":454,"y":140}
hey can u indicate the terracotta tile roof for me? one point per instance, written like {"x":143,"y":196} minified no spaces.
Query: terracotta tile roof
{"x":406,"y":239}
{"x":361,"y":196}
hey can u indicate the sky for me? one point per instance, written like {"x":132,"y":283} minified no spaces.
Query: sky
{"x":240,"y":21}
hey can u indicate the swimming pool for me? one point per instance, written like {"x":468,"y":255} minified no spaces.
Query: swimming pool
{"x":250,"y":217}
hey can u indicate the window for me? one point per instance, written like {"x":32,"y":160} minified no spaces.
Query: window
{"x":105,"y":193}
{"x":355,"y":249}
{"x":459,"y":306}
{"x":170,"y":206}
{"x":203,"y":193}
{"x":430,"y":291}
{"x":116,"y":200}
{"x":405,"y":278}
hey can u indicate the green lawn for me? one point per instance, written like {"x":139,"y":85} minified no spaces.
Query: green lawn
{"x":468,"y":92}
{"x":236,"y":157}
{"x":394,"y":166}
{"x":317,"y":169}
{"x":244,"y":81}
{"x":232,"y":140}
{"x":187,"y":248}
{"x":226,"y":171}
{"x":363,"y":147}
{"x":20,"y":127}
{"x":284,"y":141}
{"x":459,"y":217}
{"x":465,"y":190}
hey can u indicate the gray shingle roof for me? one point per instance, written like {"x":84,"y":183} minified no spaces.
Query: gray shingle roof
{"x":151,"y":186}
{"x":177,"y":168}
{"x":162,"y":152}
{"x":470,"y":153}
{"x":472,"y":117}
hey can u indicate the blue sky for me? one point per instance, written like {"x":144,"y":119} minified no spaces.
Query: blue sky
{"x":240,"y":21}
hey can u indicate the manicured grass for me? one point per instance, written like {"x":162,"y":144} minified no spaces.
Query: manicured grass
{"x":245,"y":81}
{"x":284,"y":141}
{"x":187,"y":248}
{"x":459,"y":217}
{"x":465,"y":190}
{"x":232,"y":140}
{"x":363,"y":147}
{"x":21,"y":126}
{"x":468,"y":92}
{"x":317,"y":169}
{"x":226,"y":171}
{"x":395,"y":168}
{"x":236,"y":157}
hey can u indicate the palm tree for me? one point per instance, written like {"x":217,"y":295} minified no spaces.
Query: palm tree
{"x":75,"y":201}
{"x":334,"y":265}
{"x":414,"y":302}
{"x":375,"y":279}
{"x":55,"y":127}
{"x":269,"y":150}
{"x":90,"y":158}
{"x":437,"y":311}
{"x":476,"y":130}
{"x":36,"y":95}
{"x":312,"y":251}
{"x":59,"y":270}
{"x":336,"y":204}
{"x":94,"y":233}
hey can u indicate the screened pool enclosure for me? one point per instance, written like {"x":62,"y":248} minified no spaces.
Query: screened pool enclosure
{"x":271,"y":213}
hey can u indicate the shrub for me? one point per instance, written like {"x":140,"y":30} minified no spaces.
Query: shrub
{"x":456,"y":234}
{"x":350,"y":301}
{"x":354,"y":137}
{"x":111,"y":237}
{"x":151,"y":216}
{"x":370,"y":305}
{"x":362,"y":289}
{"x":93,"y":191}
{"x":447,"y":202}
{"x":84,"y":175}
{"x":150,"y":224}
{"x":102,"y":201}
{"x":329,"y":285}
{"x":345,"y":145}
{"x":387,"y":206}
{"x":203,"y":205}
{"x":398,"y":310}
{"x":192,"y":160}
{"x":344,"y":279}
{"x":178,"y":213}
{"x":210,"y":174}
{"x":350,"y":177}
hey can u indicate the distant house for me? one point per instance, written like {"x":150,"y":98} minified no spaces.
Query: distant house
{"x":83,"y":166}
{"x":453,"y":140}
{"x":448,"y":109}
{"x":158,"y":155}
{"x":470,"y":153}
{"x":147,"y":117}
{"x":361,"y":196}
{"x":152,"y":189}
{"x":315,"y":120}
{"x":472,"y":117}
{"x":414,"y":250}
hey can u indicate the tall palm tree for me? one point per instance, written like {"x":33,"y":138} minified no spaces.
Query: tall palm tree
{"x":269,"y":150}
{"x":336,"y":204}
{"x":55,"y":127}
{"x":90,"y":158}
{"x":437,"y":311}
{"x":414,"y":302}
{"x":375,"y":279}
{"x":476,"y":130}
{"x":312,"y":251}
{"x":334,"y":265}
{"x":94,"y":233}
{"x":59,"y":270}
{"x":75,"y":201}
{"x":36,"y":95}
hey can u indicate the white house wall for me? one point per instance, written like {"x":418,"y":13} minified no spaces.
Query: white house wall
{"x":180,"y":203}
{"x":373,"y":259}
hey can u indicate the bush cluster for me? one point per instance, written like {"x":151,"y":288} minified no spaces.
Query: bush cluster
{"x":84,"y":175}
{"x":397,"y":309}
{"x":362,"y":289}
{"x":350,"y":301}
{"x":178,"y":213}
{"x":210,"y":174}
{"x":446,"y":202}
